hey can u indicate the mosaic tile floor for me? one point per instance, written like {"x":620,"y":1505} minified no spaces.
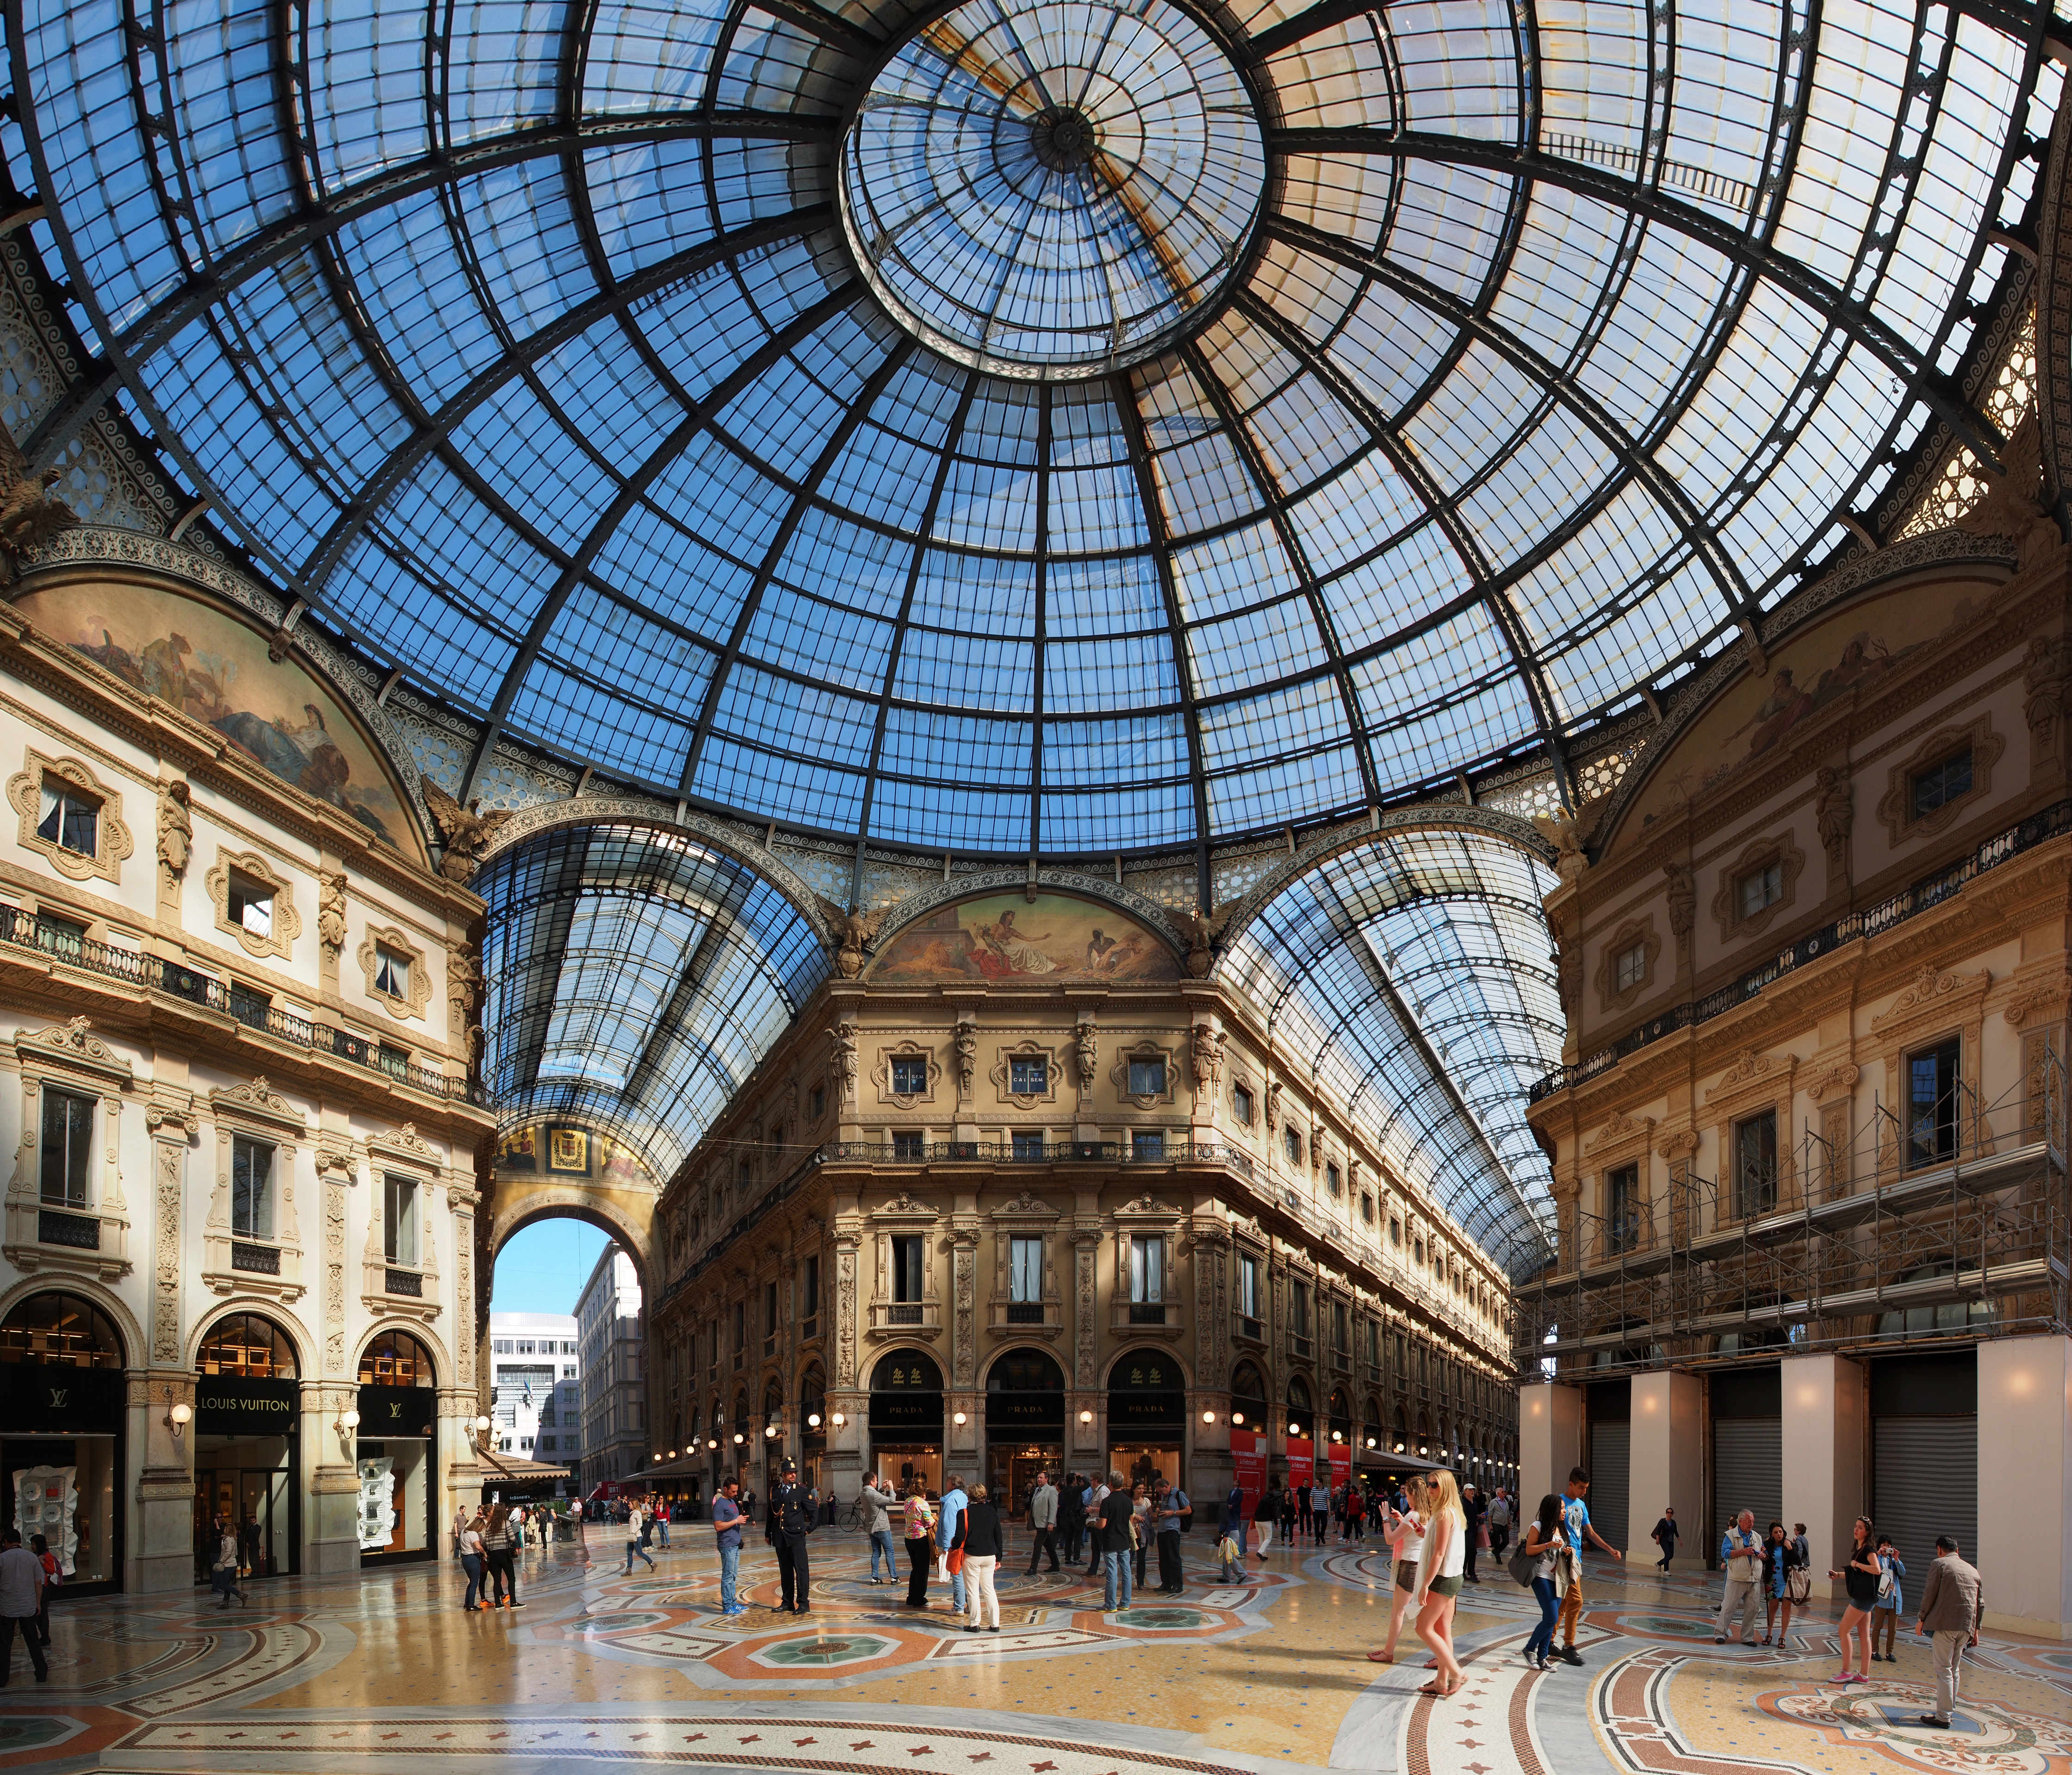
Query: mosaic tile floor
{"x":373,"y":1674}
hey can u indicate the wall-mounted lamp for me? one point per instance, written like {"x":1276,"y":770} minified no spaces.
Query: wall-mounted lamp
{"x":1337,"y":1436}
{"x":1422,"y":1449}
{"x":672,"y":1454}
{"x":956,"y":1417}
{"x":712,"y":1442}
{"x":1237,"y":1417}
{"x":769,"y":1430}
{"x":1399,"y":1448}
{"x":178,"y":1414}
{"x":1369,"y":1442}
{"x":1208,"y":1417}
{"x":813,"y":1420}
{"x":839,"y":1421}
{"x":1086,"y":1417}
{"x":1295,"y":1430}
{"x":738,"y":1439}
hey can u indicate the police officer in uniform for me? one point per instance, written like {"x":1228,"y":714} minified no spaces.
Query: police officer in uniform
{"x":791,"y":1522}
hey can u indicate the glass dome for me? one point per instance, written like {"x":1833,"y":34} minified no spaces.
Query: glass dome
{"x":1022,"y":426}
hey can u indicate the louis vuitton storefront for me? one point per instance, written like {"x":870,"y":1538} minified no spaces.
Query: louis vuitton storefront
{"x":63,"y":1396}
{"x":247,"y":1417}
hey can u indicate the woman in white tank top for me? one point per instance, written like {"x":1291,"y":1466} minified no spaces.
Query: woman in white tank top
{"x":1406,"y":1534}
{"x":1439,"y":1574}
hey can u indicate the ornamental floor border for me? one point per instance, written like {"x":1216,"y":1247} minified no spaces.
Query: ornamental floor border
{"x":375,"y":1673}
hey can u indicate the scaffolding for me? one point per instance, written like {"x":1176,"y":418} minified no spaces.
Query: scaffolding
{"x":1953,"y":1217}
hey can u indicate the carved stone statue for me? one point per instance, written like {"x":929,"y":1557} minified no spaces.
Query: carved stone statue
{"x":465,"y":831}
{"x":463,"y":982}
{"x":1834,"y":812}
{"x":2013,"y":502}
{"x":330,"y":909}
{"x":1201,"y":944}
{"x":2043,"y":675}
{"x":1273,"y":1106}
{"x":29,"y":516}
{"x":175,"y":830}
{"x":1560,"y":830}
{"x":1205,"y":1051}
{"x":842,"y":1061}
{"x":966,"y":1043}
{"x":1683,"y":906}
{"x":1087,"y":1052}
{"x":853,"y":928}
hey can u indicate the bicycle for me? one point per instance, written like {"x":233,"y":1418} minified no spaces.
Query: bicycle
{"x":854,"y":1516}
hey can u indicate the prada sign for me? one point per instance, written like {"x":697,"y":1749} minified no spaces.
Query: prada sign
{"x":397,"y":1414}
{"x":49,"y":1399}
{"x":1014,"y":1412}
{"x":231,"y":1405}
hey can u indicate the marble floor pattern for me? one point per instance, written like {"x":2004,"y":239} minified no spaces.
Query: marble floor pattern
{"x":381,"y":1672}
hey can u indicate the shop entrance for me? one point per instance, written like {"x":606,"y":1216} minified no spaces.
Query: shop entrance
{"x":247,"y":1439}
{"x":1025,"y":1426}
{"x":907,"y":1420}
{"x":398,"y":1450}
{"x":62,"y":1404}
{"x":1147,"y":1416}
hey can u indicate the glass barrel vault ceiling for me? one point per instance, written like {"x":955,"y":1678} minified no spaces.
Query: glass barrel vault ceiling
{"x":1415,"y":970}
{"x":747,"y":399}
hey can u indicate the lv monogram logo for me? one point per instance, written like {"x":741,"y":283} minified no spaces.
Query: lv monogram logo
{"x":58,"y":1397}
{"x":395,"y":1410}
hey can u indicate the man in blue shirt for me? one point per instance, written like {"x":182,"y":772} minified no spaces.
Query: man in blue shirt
{"x":1575,"y":1520}
{"x":726,"y":1519}
{"x":952,"y":1508}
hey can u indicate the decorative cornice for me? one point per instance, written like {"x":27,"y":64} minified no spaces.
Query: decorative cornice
{"x":1931,"y":986}
{"x":1619,"y":1128}
{"x":1836,"y":1075}
{"x":1750,"y":1066}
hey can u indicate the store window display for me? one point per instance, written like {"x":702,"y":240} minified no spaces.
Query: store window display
{"x":1025,"y":1424}
{"x":906,"y":1419}
{"x":1147,"y":1416}
{"x":398,"y":1449}
{"x":247,"y":1443}
{"x":61,"y":1433}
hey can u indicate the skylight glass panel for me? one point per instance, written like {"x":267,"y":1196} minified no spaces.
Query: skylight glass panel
{"x":367,"y":84}
{"x":219,"y":62}
{"x":503,"y":67}
{"x":1394,"y":588}
{"x":643,"y":56}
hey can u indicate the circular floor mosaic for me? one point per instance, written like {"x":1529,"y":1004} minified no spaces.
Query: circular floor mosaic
{"x":1887,"y":1713}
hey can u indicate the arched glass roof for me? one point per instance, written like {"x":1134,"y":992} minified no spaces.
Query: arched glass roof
{"x":1416,"y":968}
{"x":747,"y":400}
{"x":635,"y":980}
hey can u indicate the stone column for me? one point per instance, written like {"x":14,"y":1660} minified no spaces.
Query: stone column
{"x":1549,"y":1439}
{"x":1825,"y":1413}
{"x":161,"y":1548}
{"x":2024,"y":1550}
{"x":331,"y":1522}
{"x":1667,"y":1466}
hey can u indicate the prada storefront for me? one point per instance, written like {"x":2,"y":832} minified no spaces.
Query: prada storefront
{"x":1147,"y":1416}
{"x":62,"y":1400}
{"x":907,"y":1420}
{"x":248,"y":1444}
{"x":1025,"y":1426}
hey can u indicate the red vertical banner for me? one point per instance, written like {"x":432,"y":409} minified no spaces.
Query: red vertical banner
{"x":1341,"y":1464}
{"x":1249,"y":1466}
{"x":1301,"y":1461}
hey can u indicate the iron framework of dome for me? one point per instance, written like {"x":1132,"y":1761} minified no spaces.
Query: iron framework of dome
{"x":1499,"y":363}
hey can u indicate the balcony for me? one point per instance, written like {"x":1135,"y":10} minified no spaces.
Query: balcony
{"x":1141,"y":1318}
{"x":1247,"y":1329}
{"x":142,"y":973}
{"x":905,"y":1319}
{"x":1028,"y":1152}
{"x":1043,"y":1319}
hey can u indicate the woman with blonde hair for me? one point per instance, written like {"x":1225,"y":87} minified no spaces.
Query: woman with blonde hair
{"x":1406,"y":1538}
{"x":1439,"y":1578}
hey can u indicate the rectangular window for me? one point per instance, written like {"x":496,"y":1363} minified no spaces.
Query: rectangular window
{"x":248,"y":1007}
{"x":1931,"y":1105}
{"x":910,"y":1075}
{"x":1632,"y":967}
{"x":769,"y":1310}
{"x":1299,"y":1309}
{"x":1943,"y":783}
{"x":502,"y":1346}
{"x":250,"y":905}
{"x":1247,"y":1288}
{"x":907,"y":1146}
{"x":809,"y":1289}
{"x":399,"y":1222}
{"x":1025,"y":1269}
{"x":395,"y":1061}
{"x":1028,"y":1074}
{"x":1367,"y":1206}
{"x":392,"y":972}
{"x":1028,"y":1146}
{"x":1622,"y":1207}
{"x":251,"y":1189}
{"x":740,"y":1327}
{"x":1755,"y":1165}
{"x":1394,"y":1231}
{"x":1759,"y":889}
{"x":818,"y":1101}
{"x":1241,"y":1104}
{"x":907,"y":1267}
{"x":1147,"y":1077}
{"x":69,"y":819}
{"x":1331,"y":1179}
{"x":1291,"y":1144}
{"x":67,"y":1148}
{"x":1341,"y":1328}
{"x":1148,"y":1143}
{"x":1147,"y":1270}
{"x":59,"y":937}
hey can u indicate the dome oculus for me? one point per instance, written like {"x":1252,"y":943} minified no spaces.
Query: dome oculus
{"x":1053,"y":190}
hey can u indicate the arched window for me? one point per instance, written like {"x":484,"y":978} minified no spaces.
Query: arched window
{"x":395,"y":1358}
{"x":1025,"y":1371}
{"x":1248,"y":1396}
{"x":1298,"y":1395}
{"x":773,"y":1410}
{"x":244,"y":1343}
{"x":67,"y":1330}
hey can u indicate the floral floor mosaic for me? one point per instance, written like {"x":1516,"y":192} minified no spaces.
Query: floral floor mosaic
{"x":378,"y":1672}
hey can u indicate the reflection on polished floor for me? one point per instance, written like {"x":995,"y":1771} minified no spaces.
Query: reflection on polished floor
{"x":381,"y":1672}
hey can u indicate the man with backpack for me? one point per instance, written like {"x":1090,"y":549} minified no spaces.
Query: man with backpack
{"x":1499,"y":1522}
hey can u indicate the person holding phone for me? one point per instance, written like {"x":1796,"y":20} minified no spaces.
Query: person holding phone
{"x":1406,"y":1535}
{"x":1860,"y":1573}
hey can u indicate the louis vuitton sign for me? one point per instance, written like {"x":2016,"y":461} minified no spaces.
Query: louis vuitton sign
{"x":231,"y":1405}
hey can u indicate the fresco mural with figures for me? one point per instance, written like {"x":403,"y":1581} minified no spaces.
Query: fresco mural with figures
{"x":210,"y":666}
{"x":1007,"y":936}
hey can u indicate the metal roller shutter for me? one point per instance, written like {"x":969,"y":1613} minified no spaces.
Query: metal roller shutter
{"x":1925,"y":1482}
{"x":1611,"y":1446}
{"x":1748,"y":1474}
